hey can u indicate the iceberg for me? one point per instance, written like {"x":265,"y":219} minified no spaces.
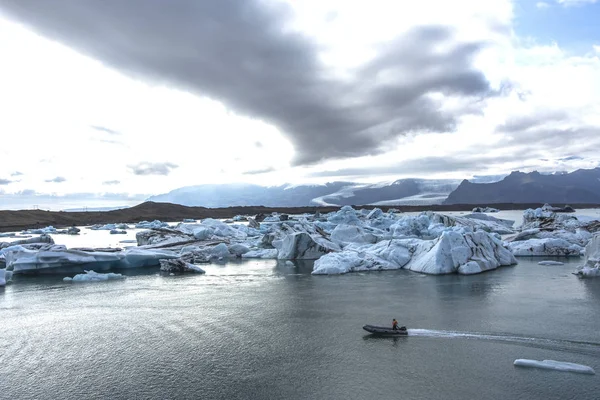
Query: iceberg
{"x":454,"y":252}
{"x":5,"y":276}
{"x":91,"y":276}
{"x":344,"y":234}
{"x":548,"y":262}
{"x":545,"y":247}
{"x":261,"y":253}
{"x":151,"y":225}
{"x":300,"y":246}
{"x":555,"y":365}
{"x":589,"y":272}
{"x":179,"y":266}
{"x":58,"y":258}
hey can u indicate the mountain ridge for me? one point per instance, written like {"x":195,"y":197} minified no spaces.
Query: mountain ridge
{"x":580,"y":186}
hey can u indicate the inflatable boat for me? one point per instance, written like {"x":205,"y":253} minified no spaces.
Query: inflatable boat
{"x":385,"y":330}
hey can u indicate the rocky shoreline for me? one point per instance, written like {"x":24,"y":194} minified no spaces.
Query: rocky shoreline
{"x":149,"y":211}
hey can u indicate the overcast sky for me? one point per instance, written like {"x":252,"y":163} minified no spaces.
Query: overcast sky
{"x":108,"y":101}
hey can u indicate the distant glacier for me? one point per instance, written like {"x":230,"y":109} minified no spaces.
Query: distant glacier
{"x":399,"y":192}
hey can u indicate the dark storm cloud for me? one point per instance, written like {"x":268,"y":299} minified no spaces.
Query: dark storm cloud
{"x":147,"y":168}
{"x":240,"y":52}
{"x":58,"y":179}
{"x":523,"y":123}
{"x":432,"y":165}
{"x":105,"y":130}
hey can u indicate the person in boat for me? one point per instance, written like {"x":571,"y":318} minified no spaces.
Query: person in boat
{"x":394,"y":324}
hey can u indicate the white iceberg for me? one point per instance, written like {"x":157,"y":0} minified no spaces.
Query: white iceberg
{"x":349,"y":261}
{"x":453,"y":252}
{"x":346,"y":215}
{"x":344,"y":234}
{"x":151,"y":225}
{"x":555,"y":365}
{"x":549,"y":262}
{"x":589,"y":272}
{"x":58,"y":258}
{"x":91,"y":276}
{"x":261,"y":253}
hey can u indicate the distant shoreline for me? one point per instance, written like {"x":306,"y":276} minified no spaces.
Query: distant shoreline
{"x":13,"y":221}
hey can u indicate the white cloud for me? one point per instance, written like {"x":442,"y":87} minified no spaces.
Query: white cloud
{"x":542,"y":4}
{"x":78,"y":120}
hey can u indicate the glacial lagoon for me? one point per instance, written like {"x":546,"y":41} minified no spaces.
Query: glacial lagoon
{"x":268,"y":329}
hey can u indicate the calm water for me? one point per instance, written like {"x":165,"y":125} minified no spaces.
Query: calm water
{"x":264,"y":331}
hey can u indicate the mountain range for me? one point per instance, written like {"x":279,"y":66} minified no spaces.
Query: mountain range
{"x":400,"y":192}
{"x":577,"y":187}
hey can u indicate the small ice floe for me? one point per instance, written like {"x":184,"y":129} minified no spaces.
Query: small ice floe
{"x":5,"y":276}
{"x":548,"y":262}
{"x":555,"y":365}
{"x":92,"y":276}
{"x":288,"y":263}
{"x":589,"y":272}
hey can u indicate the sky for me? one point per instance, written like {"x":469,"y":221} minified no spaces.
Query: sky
{"x":109,"y":102}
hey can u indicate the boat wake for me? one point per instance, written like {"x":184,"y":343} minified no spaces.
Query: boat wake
{"x":551,"y":344}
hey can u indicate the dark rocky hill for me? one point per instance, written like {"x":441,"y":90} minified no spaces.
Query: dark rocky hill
{"x":581,"y":186}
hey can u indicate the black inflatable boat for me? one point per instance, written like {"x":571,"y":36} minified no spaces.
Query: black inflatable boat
{"x":385,"y":330}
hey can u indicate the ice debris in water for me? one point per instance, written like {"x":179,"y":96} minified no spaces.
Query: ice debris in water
{"x":555,"y":365}
{"x":548,"y":262}
{"x":92,"y":276}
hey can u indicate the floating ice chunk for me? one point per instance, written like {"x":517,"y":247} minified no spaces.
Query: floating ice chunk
{"x":179,"y":265}
{"x":300,"y":246}
{"x":587,"y":272}
{"x":238,"y":249}
{"x":59,"y":258}
{"x":548,"y":262}
{"x":592,"y":251}
{"x":40,"y":231}
{"x":117,"y":232}
{"x":555,"y":365}
{"x":202,"y":233}
{"x":91,"y":276}
{"x":545,"y":247}
{"x":156,"y":224}
{"x":350,"y":261}
{"x":272,"y":218}
{"x":455,"y":252}
{"x":375,"y":213}
{"x":346,"y":215}
{"x":5,"y":276}
{"x":344,"y":234}
{"x":484,"y":217}
{"x":189,"y":220}
{"x":262,"y":253}
{"x":289,"y":263}
{"x":220,"y":251}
